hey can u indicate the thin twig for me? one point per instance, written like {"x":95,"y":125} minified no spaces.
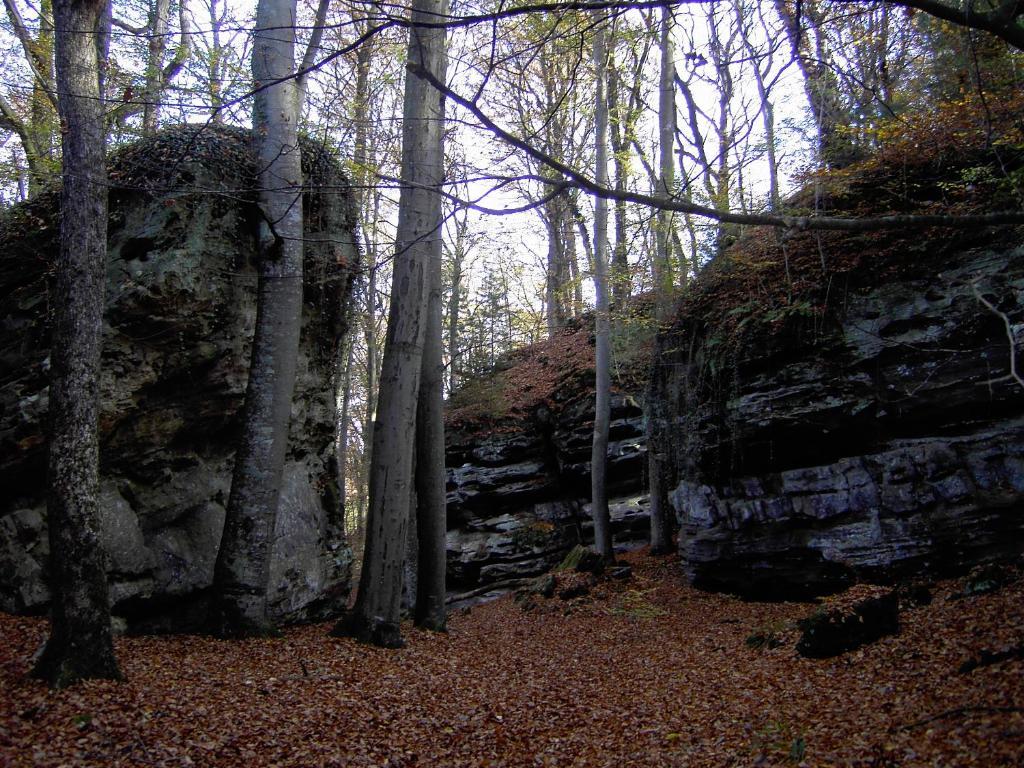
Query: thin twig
{"x":1011,"y":339}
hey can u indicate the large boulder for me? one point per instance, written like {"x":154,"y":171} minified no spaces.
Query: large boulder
{"x":180,"y":310}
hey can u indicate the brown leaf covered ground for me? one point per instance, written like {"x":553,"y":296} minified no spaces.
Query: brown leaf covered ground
{"x":641,"y":672}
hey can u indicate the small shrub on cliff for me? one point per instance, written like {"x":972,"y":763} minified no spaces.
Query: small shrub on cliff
{"x":550,"y":374}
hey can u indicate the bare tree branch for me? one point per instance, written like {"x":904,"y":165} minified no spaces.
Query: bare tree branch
{"x":1010,"y":336}
{"x":577,"y":179}
{"x":128,"y":27}
{"x":311,"y":49}
{"x":1003,"y":21}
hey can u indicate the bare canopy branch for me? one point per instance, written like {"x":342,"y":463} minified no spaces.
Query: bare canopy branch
{"x":1003,"y":21}
{"x":815,"y":222}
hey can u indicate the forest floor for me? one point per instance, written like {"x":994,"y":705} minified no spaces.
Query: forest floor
{"x":642,"y":672}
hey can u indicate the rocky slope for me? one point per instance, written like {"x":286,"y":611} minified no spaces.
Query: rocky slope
{"x":830,"y":407}
{"x":179,"y":319}
{"x":808,"y":446}
{"x":519,"y":470}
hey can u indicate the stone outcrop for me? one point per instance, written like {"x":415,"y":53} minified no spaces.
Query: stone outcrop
{"x":884,"y":439}
{"x":180,"y":310}
{"x":518,"y":492}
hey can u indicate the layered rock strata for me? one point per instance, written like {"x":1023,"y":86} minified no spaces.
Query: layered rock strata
{"x":887,"y":441}
{"x":517,"y":498}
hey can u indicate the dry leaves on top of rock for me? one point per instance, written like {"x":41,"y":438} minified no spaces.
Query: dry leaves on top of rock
{"x":555,"y":372}
{"x":639,"y":672}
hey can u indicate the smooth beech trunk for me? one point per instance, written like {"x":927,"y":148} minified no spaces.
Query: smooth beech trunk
{"x":158,"y":12}
{"x":663,"y":277}
{"x":602,"y":343}
{"x":663,"y":282}
{"x":375,"y":618}
{"x":558,"y":282}
{"x":243,"y":563}
{"x":367,"y":204}
{"x":619,"y":115}
{"x":370,"y":406}
{"x":80,"y":643}
{"x":344,"y":420}
{"x":455,"y":303}
{"x":804,"y":27}
{"x":431,"y":522}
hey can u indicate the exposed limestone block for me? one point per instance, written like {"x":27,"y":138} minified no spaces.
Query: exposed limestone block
{"x":180,"y":310}
{"x":887,"y":444}
{"x":518,"y":501}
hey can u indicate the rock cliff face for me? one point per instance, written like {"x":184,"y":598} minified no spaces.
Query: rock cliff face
{"x":879,"y":439}
{"x":179,"y":320}
{"x":518,"y":486}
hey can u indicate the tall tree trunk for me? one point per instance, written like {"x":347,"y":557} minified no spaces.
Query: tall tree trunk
{"x":602,"y":343}
{"x":768,"y":119}
{"x":158,"y":11}
{"x":215,"y":65}
{"x":80,"y":643}
{"x":722,"y":53}
{"x":666,"y":140}
{"x":375,"y":618}
{"x":569,"y":239}
{"x":243,"y":563}
{"x":309,"y":57}
{"x":370,"y":413}
{"x":431,"y":521}
{"x":551,"y":297}
{"x":767,"y":108}
{"x":157,"y":75}
{"x":368,"y":205}
{"x":835,"y":150}
{"x":38,"y":131}
{"x":585,"y":238}
{"x":43,"y":125}
{"x":410,"y":565}
{"x":455,"y":303}
{"x":661,"y":534}
{"x":558,"y":290}
{"x":619,"y":272}
{"x":360,"y":120}
{"x":20,"y":176}
{"x":341,"y":453}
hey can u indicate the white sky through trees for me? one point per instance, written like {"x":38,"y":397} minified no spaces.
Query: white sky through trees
{"x":520,"y":235}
